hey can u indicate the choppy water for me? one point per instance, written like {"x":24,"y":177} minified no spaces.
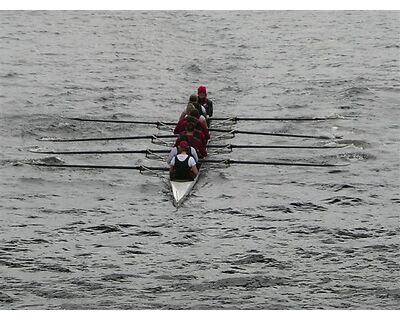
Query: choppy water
{"x":249,"y":237}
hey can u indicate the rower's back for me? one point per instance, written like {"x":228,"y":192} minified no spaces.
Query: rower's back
{"x":183,"y":165}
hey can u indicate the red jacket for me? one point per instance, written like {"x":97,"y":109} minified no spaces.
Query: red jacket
{"x":195,"y":143}
{"x":181,"y":126}
{"x":200,"y":135}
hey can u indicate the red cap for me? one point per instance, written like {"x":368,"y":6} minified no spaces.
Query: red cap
{"x":183,"y":144}
{"x":202,"y":89}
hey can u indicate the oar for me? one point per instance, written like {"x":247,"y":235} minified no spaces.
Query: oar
{"x":221,"y":161}
{"x":270,"y":134}
{"x":235,"y":119}
{"x":148,"y":151}
{"x":109,"y":138}
{"x":249,"y":146}
{"x":90,"y":166}
{"x":272,"y":163}
{"x":157,"y":123}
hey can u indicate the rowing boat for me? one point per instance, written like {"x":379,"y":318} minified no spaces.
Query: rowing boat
{"x":181,"y":189}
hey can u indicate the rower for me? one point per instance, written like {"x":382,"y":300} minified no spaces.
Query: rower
{"x":193,"y":104}
{"x":204,"y":101}
{"x":190,"y":151}
{"x":183,"y":166}
{"x":198,"y":133}
{"x":195,"y":101}
{"x":187,"y":111}
{"x":181,"y":126}
{"x":202,"y":123}
{"x":194,"y":142}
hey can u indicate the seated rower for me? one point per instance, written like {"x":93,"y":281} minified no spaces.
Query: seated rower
{"x":204,"y":101}
{"x":202,"y":123}
{"x":187,"y":111}
{"x":193,"y":104}
{"x":195,"y":101}
{"x":189,"y":136}
{"x":197,"y":133}
{"x":181,"y":125}
{"x":190,"y":151}
{"x":183,"y":166}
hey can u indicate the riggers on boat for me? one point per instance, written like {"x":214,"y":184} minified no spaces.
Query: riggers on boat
{"x":181,"y":189}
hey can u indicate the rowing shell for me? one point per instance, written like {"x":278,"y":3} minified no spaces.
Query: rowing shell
{"x":181,"y":189}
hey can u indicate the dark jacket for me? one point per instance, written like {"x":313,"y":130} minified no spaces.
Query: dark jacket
{"x":208,"y":105}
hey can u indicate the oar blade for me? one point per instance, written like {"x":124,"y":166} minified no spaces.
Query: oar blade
{"x":235,"y":119}
{"x":249,"y":146}
{"x":273,"y":134}
{"x":273,"y":163}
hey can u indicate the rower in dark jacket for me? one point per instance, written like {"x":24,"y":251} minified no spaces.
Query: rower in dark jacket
{"x":174,"y":151}
{"x":204,"y":101}
{"x":183,"y":166}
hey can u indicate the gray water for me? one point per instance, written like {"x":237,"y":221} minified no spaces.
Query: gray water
{"x":249,"y":237}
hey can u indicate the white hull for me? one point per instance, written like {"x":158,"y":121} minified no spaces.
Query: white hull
{"x":181,"y":189}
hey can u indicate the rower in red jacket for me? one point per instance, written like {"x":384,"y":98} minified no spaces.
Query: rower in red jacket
{"x":198,"y":133}
{"x":189,"y":135}
{"x":200,"y":125}
{"x":181,"y":125}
